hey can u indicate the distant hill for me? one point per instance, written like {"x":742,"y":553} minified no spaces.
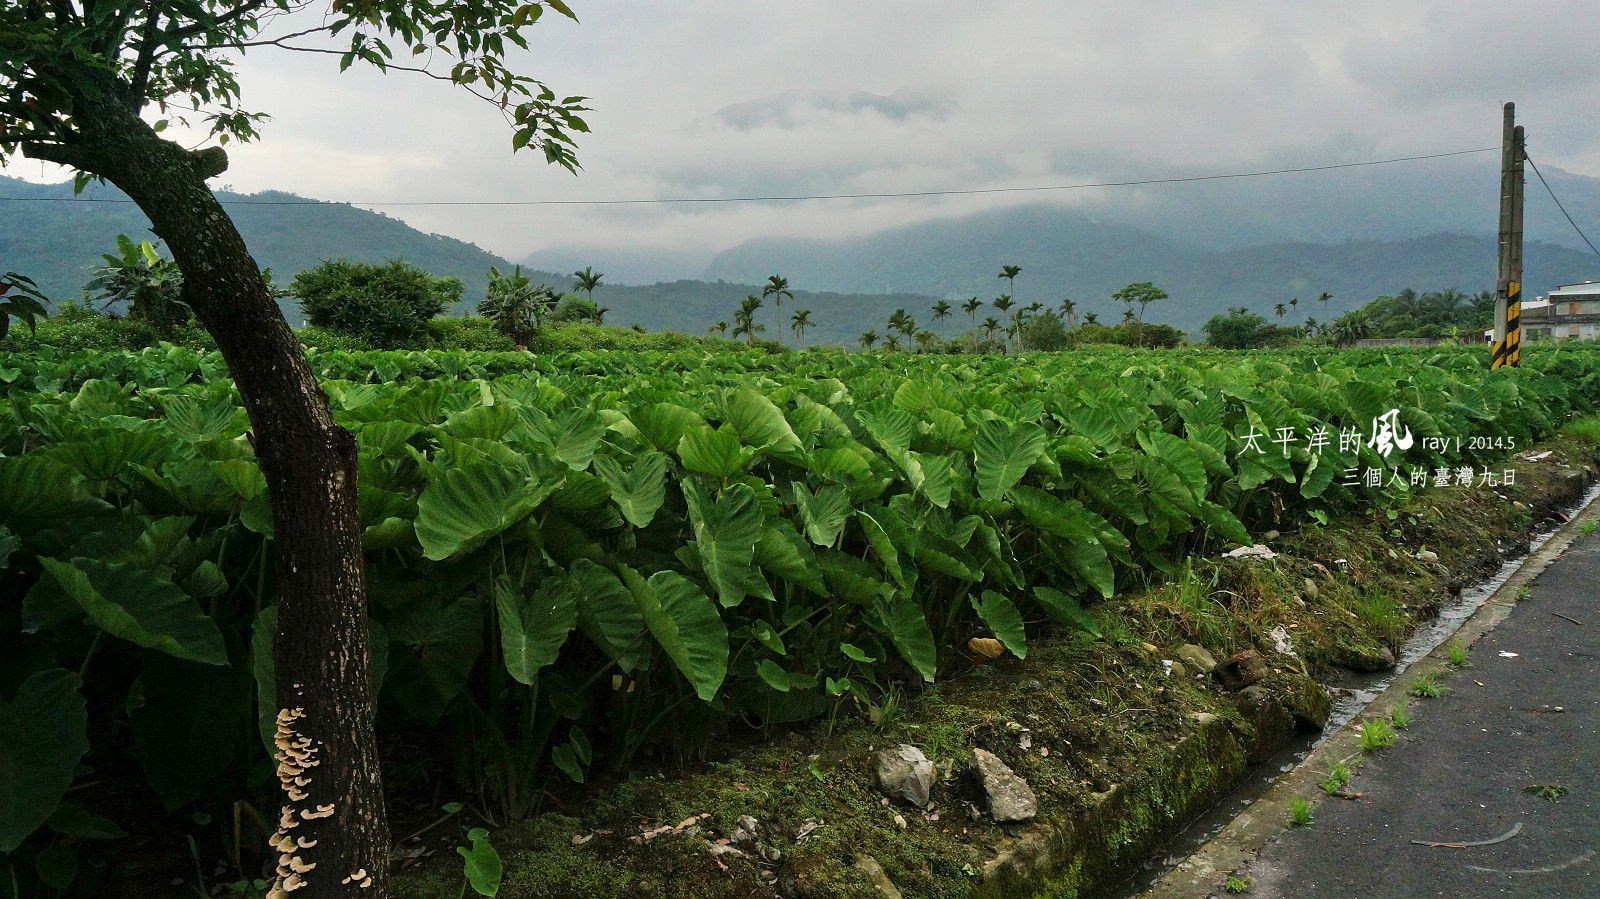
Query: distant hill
{"x":57,"y":243}
{"x":1064,"y":253}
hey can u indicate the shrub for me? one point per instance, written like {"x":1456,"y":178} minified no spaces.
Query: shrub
{"x":1044,"y":332}
{"x":1241,"y":330}
{"x":325,"y":339}
{"x":579,"y":336}
{"x":576,"y":309}
{"x":470,"y":332}
{"x":72,"y":327}
{"x":386,"y":305}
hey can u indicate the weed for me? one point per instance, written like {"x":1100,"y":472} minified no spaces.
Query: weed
{"x":1523,"y":592}
{"x":1456,"y":655}
{"x":1299,"y":813}
{"x":1237,"y":884}
{"x":1338,"y":778}
{"x":1400,"y":717}
{"x":1382,"y":614}
{"x":1588,"y":528}
{"x":1547,"y":792}
{"x":1377,"y":734}
{"x":1427,"y":686}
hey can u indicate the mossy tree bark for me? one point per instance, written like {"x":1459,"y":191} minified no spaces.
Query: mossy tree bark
{"x":333,"y":825}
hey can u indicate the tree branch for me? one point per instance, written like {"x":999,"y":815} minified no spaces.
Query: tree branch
{"x":238,"y":12}
{"x":147,"y":57}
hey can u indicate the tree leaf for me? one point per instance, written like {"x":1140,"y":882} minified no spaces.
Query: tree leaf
{"x":1065,"y":610}
{"x":187,"y":731}
{"x":608,"y":616}
{"x":481,"y":863}
{"x":713,"y":452}
{"x":43,"y":734}
{"x":533,"y":628}
{"x":908,"y":630}
{"x":824,"y":513}
{"x":725,"y":532}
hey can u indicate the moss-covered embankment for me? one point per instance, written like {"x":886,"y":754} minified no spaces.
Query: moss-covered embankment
{"x":1120,"y":738}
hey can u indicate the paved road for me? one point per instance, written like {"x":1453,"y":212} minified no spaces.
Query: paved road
{"x":1460,"y":772}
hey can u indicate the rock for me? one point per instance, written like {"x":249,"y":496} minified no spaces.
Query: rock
{"x":744,"y":830}
{"x":1178,"y":670}
{"x":1280,"y":640}
{"x":906,"y":774}
{"x":1271,"y":535}
{"x":885,"y":887}
{"x":1197,"y":658}
{"x":1008,"y":797}
{"x":1311,"y":588}
{"x":1241,"y":670}
{"x":1428,"y":555}
{"x":1258,"y":551}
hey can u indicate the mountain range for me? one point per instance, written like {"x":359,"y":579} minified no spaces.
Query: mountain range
{"x":1355,"y":234}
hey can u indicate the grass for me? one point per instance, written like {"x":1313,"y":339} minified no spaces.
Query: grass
{"x":1377,"y":734}
{"x":1338,"y":778}
{"x":1588,"y":528}
{"x":1299,"y":813}
{"x":1456,"y":655}
{"x":1382,"y":614}
{"x":1237,"y":884}
{"x":1547,"y":792}
{"x":1427,"y":686}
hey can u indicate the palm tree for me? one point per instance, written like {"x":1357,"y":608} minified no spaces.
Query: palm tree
{"x":1322,"y":300}
{"x":990,"y":325}
{"x":600,"y":314}
{"x":941,"y":311}
{"x":1004,"y":302}
{"x":776,"y":287}
{"x":586,"y":280}
{"x":1010,"y":273}
{"x":868,"y":338}
{"x":1281,"y":310}
{"x":720,"y":329}
{"x":1069,"y":311}
{"x":891,"y":342}
{"x":971,"y":307}
{"x":905,"y":324}
{"x":925,"y":340}
{"x":799,"y":322}
{"x":1091,"y":318}
{"x":1127,"y":315}
{"x":1295,"y":304}
{"x":744,"y":321}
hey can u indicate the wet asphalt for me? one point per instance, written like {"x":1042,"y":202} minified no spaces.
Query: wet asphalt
{"x":1462,"y":771}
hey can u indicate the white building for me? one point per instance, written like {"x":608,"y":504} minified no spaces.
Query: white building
{"x":1570,"y":312}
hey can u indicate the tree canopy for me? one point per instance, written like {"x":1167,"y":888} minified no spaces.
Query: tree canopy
{"x":180,"y":56}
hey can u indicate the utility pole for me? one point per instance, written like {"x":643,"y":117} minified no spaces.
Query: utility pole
{"x":1507,"y":345}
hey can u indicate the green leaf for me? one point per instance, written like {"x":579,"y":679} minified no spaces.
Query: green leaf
{"x":774,"y":675}
{"x":481,"y":863}
{"x":713,"y":452}
{"x":908,"y":630}
{"x":767,"y":636}
{"x":759,"y":422}
{"x":824,"y":513}
{"x":187,"y":731}
{"x":43,"y":734}
{"x":533,"y":628}
{"x":576,"y":434}
{"x":1002,"y":454}
{"x":725,"y":532}
{"x":1065,"y":611}
{"x":608,"y":616}
{"x":878,"y":538}
{"x":463,"y":507}
{"x":140,"y":606}
{"x":1004,"y":621}
{"x":684,"y":621}
{"x":785,"y":554}
{"x":442,"y":643}
{"x":638,"y":491}
{"x":856,"y":654}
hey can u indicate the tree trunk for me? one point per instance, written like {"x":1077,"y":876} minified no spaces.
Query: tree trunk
{"x":333,"y":838}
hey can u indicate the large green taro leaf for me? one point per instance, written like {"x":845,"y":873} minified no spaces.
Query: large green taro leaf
{"x":463,"y":507}
{"x":1002,"y":454}
{"x":533,"y":626}
{"x":140,"y":606}
{"x":686,"y":624}
{"x":43,"y":734}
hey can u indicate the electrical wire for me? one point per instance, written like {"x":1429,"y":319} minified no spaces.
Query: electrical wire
{"x":1559,"y":205}
{"x":798,"y":198}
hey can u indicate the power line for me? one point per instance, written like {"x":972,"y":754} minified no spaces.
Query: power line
{"x":1558,"y":203}
{"x":797,"y":198}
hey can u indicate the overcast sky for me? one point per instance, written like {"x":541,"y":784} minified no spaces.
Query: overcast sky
{"x":723,"y":97}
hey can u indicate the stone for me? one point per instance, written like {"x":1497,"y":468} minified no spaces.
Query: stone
{"x":1196,"y":657}
{"x":1311,"y":589}
{"x":1428,"y":555}
{"x":1271,"y":535}
{"x":878,"y":877}
{"x":1007,"y":796}
{"x":1178,"y":670}
{"x":906,"y":774}
{"x":744,"y":830}
{"x":1241,"y":670}
{"x":1258,"y":551}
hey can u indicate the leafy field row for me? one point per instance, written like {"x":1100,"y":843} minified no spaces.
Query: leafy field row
{"x":576,"y":558}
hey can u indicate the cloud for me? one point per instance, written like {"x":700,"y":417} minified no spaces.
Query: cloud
{"x":800,"y":109}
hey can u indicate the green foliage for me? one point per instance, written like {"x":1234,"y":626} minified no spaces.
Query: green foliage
{"x":20,"y":299}
{"x":580,"y":557}
{"x":1427,"y":686}
{"x":44,"y":725}
{"x":1238,"y":329}
{"x":139,"y":281}
{"x":1338,"y":778}
{"x":385,"y":305}
{"x":481,"y":863}
{"x":515,"y":305}
{"x":469,"y":332}
{"x":1299,"y":813}
{"x":1441,"y":313}
{"x":1377,"y":734}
